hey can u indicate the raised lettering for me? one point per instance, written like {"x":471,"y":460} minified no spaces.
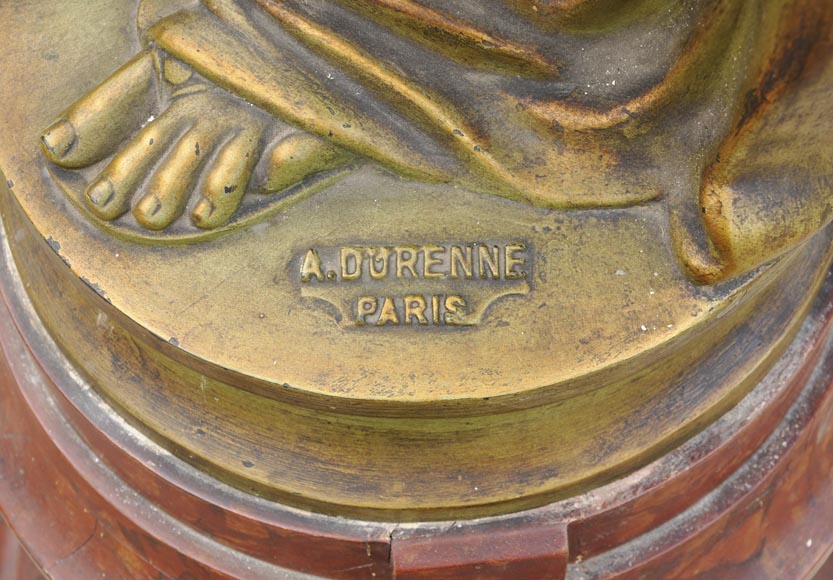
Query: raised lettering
{"x":415,"y":309}
{"x":379,"y":259}
{"x":387,"y":314}
{"x":406,"y":257}
{"x":311,"y":267}
{"x":416,"y":285}
{"x":455,"y":310}
{"x":365,"y":307}
{"x":351,"y":263}
{"x":485,"y":259}
{"x":430,"y":260}
{"x":463,"y":260}
{"x":512,"y":260}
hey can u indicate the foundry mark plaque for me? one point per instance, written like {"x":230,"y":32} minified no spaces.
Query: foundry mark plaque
{"x":419,"y":285}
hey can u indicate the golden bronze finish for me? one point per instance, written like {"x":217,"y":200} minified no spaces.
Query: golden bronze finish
{"x":399,"y":261}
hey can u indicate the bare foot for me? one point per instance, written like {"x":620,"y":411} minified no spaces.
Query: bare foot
{"x":171,"y":135}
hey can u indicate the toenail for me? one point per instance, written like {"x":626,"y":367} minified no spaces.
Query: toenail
{"x":208,"y":216}
{"x":157,"y":206}
{"x":59,"y":138}
{"x":176,"y":73}
{"x":147,"y":209}
{"x":101,"y":193}
{"x":203,"y":212}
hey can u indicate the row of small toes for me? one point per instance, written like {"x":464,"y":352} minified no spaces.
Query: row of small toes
{"x":204,"y":144}
{"x":174,"y":157}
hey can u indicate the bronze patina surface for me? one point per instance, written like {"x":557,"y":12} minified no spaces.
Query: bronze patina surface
{"x":407,"y":261}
